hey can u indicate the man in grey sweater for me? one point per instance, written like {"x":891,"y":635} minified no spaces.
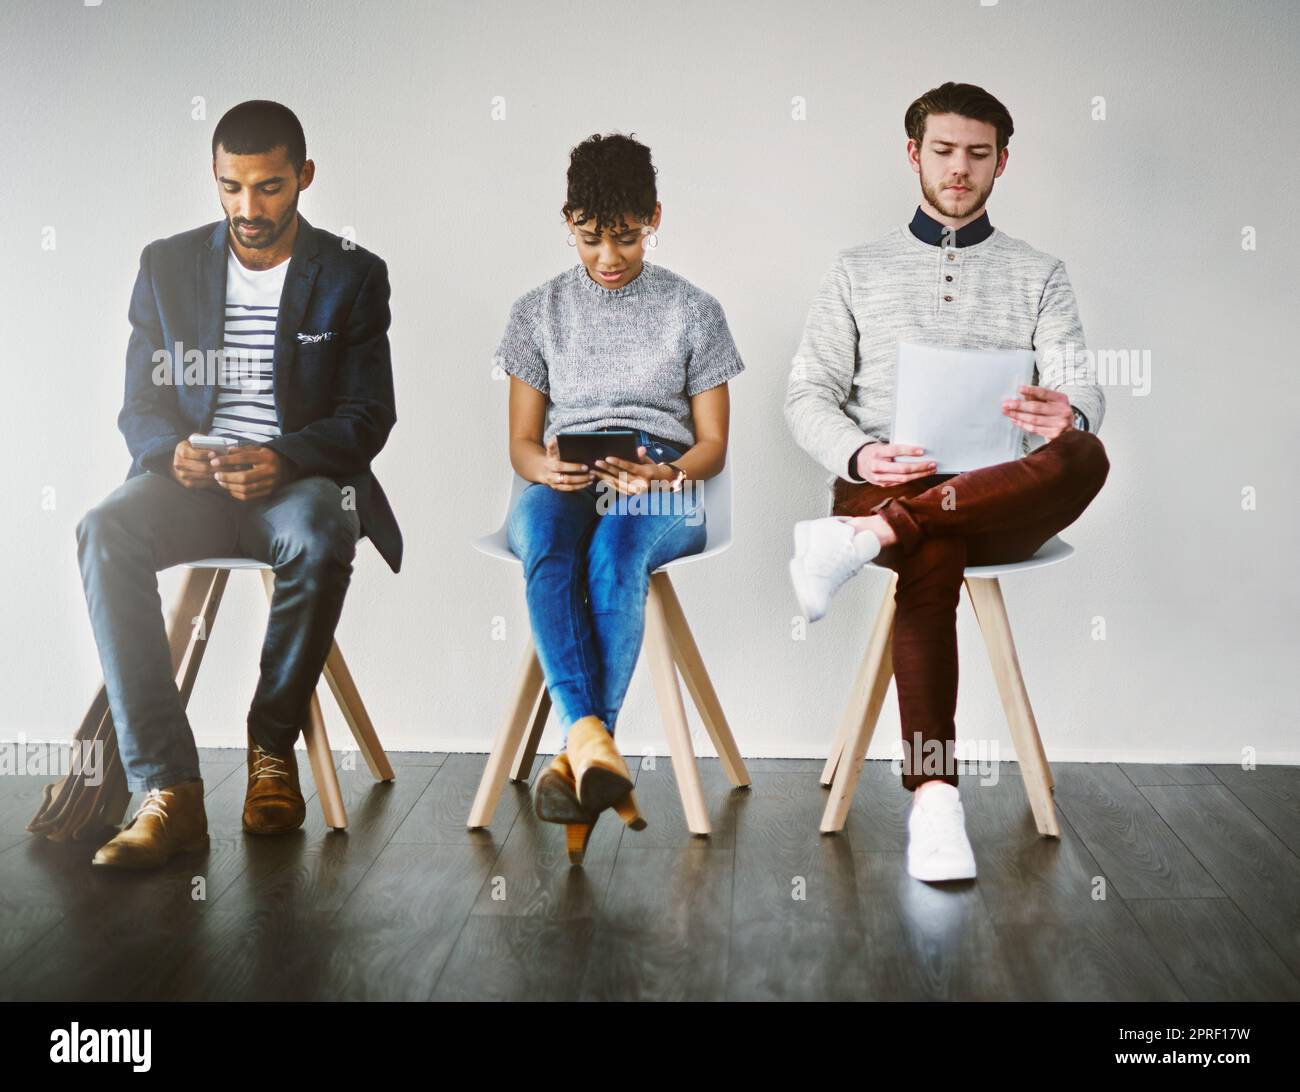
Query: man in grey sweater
{"x":953,"y":280}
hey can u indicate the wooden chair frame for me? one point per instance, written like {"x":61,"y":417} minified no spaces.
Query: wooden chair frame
{"x":200,"y":597}
{"x":671,"y":647}
{"x":860,"y":715}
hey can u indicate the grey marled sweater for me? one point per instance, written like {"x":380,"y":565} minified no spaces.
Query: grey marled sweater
{"x":997,"y":294}
{"x":629,"y":357}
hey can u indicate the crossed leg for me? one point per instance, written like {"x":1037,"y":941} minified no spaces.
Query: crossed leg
{"x":944,"y":523}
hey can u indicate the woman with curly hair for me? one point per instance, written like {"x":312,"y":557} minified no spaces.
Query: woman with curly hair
{"x":614,"y":343}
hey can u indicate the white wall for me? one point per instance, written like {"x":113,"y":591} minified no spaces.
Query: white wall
{"x":1198,"y":597}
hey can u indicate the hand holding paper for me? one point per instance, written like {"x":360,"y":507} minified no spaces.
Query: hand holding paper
{"x":880,"y":464}
{"x":1040,"y":410}
{"x":947,"y":401}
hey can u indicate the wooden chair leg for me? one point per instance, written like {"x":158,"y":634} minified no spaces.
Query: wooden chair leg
{"x":878,"y":669}
{"x":658,"y":645}
{"x":181,"y":639}
{"x":523,"y":767}
{"x":208,"y":586}
{"x":686,"y":654}
{"x":94,"y":715}
{"x":842,"y":733}
{"x":991,"y":613}
{"x":509,"y":736}
{"x":354,"y":712}
{"x":318,"y":747}
{"x":855,"y":709}
{"x":322,"y":768}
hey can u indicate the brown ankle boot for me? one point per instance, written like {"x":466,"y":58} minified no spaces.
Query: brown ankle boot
{"x":628,"y":811}
{"x":273,"y":803}
{"x":171,"y":820}
{"x":576,"y":837}
{"x":555,"y":795}
{"x":602,"y":779}
{"x":556,"y":801}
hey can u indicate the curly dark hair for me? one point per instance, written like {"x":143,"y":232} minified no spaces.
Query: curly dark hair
{"x":610,"y":176}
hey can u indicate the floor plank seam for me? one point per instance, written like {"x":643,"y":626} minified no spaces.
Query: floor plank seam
{"x":1262,"y":821}
{"x":1240,"y":909}
{"x":387,"y":842}
{"x":469,"y":910}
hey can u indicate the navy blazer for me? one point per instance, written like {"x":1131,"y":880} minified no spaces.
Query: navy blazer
{"x":333,"y":396}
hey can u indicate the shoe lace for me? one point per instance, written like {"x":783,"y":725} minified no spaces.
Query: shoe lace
{"x":154,"y":804}
{"x":267,"y":765}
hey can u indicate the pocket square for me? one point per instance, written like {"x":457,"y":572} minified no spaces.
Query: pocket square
{"x":312,"y":339}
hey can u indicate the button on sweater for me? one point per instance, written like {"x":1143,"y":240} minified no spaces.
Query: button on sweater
{"x":629,"y":357}
{"x":998,"y":293}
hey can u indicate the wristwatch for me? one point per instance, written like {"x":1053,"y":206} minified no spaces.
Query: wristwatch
{"x":675,"y":485}
{"x":1080,"y":421}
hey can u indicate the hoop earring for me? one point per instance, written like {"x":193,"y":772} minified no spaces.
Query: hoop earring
{"x":652,"y":240}
{"x":572,"y":240}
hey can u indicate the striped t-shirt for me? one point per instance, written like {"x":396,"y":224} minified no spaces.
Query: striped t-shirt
{"x":246,"y":399}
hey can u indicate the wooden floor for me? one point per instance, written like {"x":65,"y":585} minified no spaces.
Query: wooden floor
{"x":1167,"y":883}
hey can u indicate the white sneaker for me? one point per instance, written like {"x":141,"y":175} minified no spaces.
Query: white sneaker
{"x":827,"y":552}
{"x":937,"y":846}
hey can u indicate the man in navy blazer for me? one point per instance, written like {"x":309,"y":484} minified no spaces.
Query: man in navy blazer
{"x":269,"y":335}
{"x":334,"y":396}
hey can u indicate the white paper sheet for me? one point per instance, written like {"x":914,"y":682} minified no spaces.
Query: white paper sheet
{"x":949,"y":402}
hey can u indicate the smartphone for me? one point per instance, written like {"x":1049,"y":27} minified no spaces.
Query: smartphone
{"x":218,"y":443}
{"x":587,"y":447}
{"x":212,"y":443}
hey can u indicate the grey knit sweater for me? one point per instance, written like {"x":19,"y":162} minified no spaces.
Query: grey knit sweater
{"x":997,"y":294}
{"x":629,"y":357}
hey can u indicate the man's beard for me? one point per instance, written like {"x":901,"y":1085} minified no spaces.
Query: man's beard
{"x":971,"y":203}
{"x":271,"y":235}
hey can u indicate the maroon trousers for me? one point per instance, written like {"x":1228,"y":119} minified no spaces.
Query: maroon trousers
{"x":945,"y":522}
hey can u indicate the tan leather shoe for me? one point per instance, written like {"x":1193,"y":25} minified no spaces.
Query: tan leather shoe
{"x":273,"y":803}
{"x":555,"y":794}
{"x":555,"y":799}
{"x":627,"y":810}
{"x":170,"y":820}
{"x":601,"y":777}
{"x":576,"y":837}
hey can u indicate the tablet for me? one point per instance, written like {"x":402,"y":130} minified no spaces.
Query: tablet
{"x":587,"y":447}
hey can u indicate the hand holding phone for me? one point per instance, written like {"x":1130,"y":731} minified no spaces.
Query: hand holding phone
{"x":191,"y":464}
{"x":215,"y":446}
{"x":249,"y":471}
{"x":204,"y":442}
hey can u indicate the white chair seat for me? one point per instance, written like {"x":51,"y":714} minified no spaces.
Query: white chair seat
{"x":1051,"y":552}
{"x":226,"y":563}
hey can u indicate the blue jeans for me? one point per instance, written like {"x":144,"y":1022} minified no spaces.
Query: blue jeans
{"x":151,"y":522}
{"x":587,"y":573}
